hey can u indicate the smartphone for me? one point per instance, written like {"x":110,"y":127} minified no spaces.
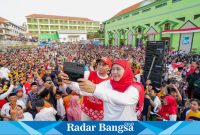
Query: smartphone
{"x":49,"y":82}
{"x":74,"y":70}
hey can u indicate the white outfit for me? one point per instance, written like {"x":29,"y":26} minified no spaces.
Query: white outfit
{"x":117,"y":106}
{"x":4,"y":95}
{"x":138,"y":77}
{"x":75,"y":87}
{"x":60,"y":108}
{"x":4,"y":72}
{"x":172,"y":117}
{"x":24,"y":98}
{"x":27,"y":117}
{"x":157,"y":103}
{"x":46,"y":114}
{"x":6,"y":108}
{"x":63,"y":89}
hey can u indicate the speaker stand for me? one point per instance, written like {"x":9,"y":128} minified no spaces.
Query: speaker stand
{"x":154,"y":58}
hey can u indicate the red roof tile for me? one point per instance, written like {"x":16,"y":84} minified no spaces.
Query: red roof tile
{"x":3,"y":19}
{"x":129,"y":9}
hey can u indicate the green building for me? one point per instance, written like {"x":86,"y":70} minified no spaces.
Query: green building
{"x":46,"y":26}
{"x":177,"y":22}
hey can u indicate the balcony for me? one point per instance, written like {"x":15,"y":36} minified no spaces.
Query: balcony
{"x":43,"y":23}
{"x":3,"y":27}
{"x":63,"y":24}
{"x":8,"y":34}
{"x":43,"y":29}
{"x":63,"y":28}
{"x":54,"y":22}
{"x":31,"y":28}
{"x":54,"y":29}
{"x":73,"y":24}
{"x":96,"y":24}
{"x":32,"y":22}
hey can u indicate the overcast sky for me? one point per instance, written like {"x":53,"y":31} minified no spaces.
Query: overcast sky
{"x":98,"y":10}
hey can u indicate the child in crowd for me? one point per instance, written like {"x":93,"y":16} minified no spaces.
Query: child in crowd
{"x":193,"y":114}
{"x":61,"y":113}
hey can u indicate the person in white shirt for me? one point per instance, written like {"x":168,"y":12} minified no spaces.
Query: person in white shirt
{"x":92,"y":107}
{"x":18,"y":114}
{"x":119,"y":96}
{"x":13,"y":102}
{"x":21,"y":95}
{"x":62,"y":87}
{"x":154,"y":100}
{"x":3,"y":94}
{"x":61,"y":112}
{"x":44,"y":114}
{"x":4,"y":72}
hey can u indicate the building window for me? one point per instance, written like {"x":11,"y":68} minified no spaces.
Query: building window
{"x":147,"y":25}
{"x":119,"y":18}
{"x":181,"y":19}
{"x":139,"y":30}
{"x":135,"y":13}
{"x":167,"y":26}
{"x":156,"y":23}
{"x":161,"y":5}
{"x":126,"y":16}
{"x":174,"y":1}
{"x":196,"y":16}
{"x":146,"y":10}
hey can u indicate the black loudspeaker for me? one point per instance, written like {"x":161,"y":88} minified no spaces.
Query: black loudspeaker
{"x":155,"y":54}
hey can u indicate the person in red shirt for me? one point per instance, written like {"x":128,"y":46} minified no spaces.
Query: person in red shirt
{"x":192,"y":69}
{"x":92,"y":107}
{"x":27,"y":85}
{"x":169,"y":109}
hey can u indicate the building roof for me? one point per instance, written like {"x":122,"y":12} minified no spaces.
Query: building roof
{"x":3,"y":19}
{"x":57,"y":17}
{"x":129,"y":9}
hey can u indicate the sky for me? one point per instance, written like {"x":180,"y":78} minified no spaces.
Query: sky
{"x":98,"y":10}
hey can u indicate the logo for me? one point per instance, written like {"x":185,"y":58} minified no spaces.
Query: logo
{"x":127,"y":127}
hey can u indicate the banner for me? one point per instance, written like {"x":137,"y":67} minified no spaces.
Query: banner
{"x":100,"y":128}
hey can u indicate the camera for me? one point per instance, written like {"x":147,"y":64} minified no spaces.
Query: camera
{"x":172,"y":81}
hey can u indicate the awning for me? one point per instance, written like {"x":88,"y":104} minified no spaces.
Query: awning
{"x":186,"y":30}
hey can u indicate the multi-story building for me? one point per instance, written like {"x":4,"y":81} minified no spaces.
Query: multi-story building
{"x":47,"y":26}
{"x":177,"y":22}
{"x":9,"y":30}
{"x":4,"y":29}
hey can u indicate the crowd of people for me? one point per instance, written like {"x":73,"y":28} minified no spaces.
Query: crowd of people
{"x":33,"y":85}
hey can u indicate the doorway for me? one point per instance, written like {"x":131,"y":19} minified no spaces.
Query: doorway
{"x":167,"y":42}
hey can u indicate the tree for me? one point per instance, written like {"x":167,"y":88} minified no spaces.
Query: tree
{"x":98,"y":34}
